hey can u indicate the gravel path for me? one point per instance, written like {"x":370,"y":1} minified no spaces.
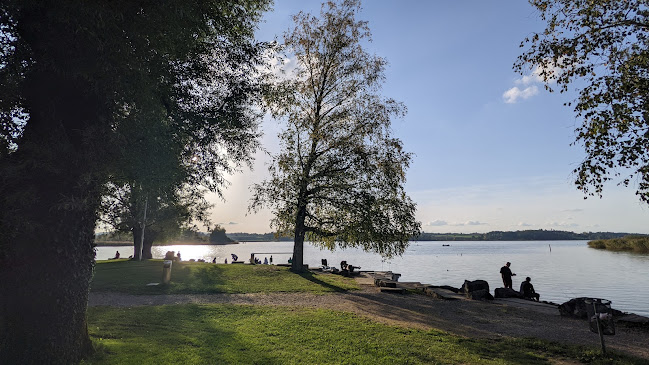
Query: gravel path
{"x":468,"y":318}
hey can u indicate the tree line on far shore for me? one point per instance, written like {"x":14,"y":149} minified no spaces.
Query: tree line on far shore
{"x":219,"y":236}
{"x":526,"y":235}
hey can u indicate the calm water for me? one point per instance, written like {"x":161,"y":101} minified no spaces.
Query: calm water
{"x":560,"y":270}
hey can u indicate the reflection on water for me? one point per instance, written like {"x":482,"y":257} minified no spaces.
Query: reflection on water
{"x":560,"y":270}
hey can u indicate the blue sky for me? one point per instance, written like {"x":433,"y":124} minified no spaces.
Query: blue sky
{"x":492,"y":149}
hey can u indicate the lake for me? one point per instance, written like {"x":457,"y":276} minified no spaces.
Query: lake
{"x":560,"y":270}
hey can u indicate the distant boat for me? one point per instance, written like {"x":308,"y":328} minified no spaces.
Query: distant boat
{"x":445,"y":245}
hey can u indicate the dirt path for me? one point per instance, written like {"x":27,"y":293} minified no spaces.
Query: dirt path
{"x":468,"y":318}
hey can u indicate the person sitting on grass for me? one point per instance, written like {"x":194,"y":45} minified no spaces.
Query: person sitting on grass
{"x":527,"y":290}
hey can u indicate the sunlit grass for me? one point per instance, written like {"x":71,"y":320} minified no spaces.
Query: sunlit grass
{"x":132,"y":277}
{"x":235,"y":334}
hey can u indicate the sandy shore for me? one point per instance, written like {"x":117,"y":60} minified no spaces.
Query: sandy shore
{"x":476,"y":319}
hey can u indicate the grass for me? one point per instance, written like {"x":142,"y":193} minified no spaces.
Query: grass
{"x":131,"y":277}
{"x":237,"y":334}
{"x":638,"y":244}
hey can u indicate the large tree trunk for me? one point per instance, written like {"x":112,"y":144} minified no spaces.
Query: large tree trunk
{"x":137,"y":238}
{"x":49,"y":194}
{"x":149,"y":237}
{"x":298,"y":242}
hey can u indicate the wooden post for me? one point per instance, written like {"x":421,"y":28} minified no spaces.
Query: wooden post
{"x":599,"y":329}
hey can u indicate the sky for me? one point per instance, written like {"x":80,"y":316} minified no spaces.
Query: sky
{"x":492,"y":148}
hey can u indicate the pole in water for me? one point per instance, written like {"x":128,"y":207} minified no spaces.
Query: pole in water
{"x":550,"y":247}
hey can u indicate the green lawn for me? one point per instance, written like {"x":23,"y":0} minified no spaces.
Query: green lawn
{"x":235,"y":334}
{"x":128,"y":276}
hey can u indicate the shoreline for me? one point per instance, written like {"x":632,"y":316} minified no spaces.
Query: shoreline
{"x":463,"y":317}
{"x":130,"y":243}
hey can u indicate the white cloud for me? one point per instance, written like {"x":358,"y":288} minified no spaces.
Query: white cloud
{"x":562,"y":225}
{"x":474,"y":223}
{"x":534,"y":78}
{"x":512,"y":95}
{"x":529,"y":83}
{"x":468,"y":223}
{"x":437,"y":223}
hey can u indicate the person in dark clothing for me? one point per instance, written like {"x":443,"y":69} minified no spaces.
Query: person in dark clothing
{"x":527,"y":290}
{"x":507,"y":274}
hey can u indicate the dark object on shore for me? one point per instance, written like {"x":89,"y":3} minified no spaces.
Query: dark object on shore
{"x":447,"y":287}
{"x":347,"y":270}
{"x":445,"y":245}
{"x":477,"y":289}
{"x":577,"y":308}
{"x":507,"y":293}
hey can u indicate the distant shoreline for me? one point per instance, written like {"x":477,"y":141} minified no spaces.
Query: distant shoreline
{"x":527,"y":235}
{"x":130,"y":243}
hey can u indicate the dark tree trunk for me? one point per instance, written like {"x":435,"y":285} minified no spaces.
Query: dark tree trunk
{"x":49,"y":194}
{"x":149,"y":237}
{"x":298,"y":243}
{"x":137,"y":237}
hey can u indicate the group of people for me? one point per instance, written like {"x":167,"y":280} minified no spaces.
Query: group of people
{"x":526,"y":289}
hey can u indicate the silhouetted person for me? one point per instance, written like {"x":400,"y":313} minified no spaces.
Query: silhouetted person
{"x":116,"y":255}
{"x":214,"y":260}
{"x":178,"y":255}
{"x":234,"y":257}
{"x":507,"y":274}
{"x":265,"y":261}
{"x":271,"y":259}
{"x":527,"y":290}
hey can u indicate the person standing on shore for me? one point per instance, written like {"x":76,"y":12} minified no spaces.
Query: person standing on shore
{"x":507,"y":274}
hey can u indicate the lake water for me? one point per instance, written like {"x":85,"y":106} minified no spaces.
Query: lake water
{"x":560,"y":270}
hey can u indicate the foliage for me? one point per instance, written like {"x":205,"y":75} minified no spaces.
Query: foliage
{"x":231,"y":334}
{"x":122,"y":91}
{"x":601,"y":46}
{"x":218,"y":235}
{"x":197,"y":277}
{"x":258,"y":237}
{"x":169,"y":210}
{"x":639,"y":244}
{"x":339,"y":177}
{"x":113,"y":236}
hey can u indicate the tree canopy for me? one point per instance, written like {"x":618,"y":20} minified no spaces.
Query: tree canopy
{"x":600,"y":47}
{"x":338,"y":180}
{"x":152,"y":93}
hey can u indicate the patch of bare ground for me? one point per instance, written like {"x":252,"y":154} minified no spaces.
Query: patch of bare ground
{"x":474,"y":319}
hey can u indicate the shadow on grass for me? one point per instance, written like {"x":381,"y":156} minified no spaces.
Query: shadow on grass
{"x":310,"y":276}
{"x":172,"y":334}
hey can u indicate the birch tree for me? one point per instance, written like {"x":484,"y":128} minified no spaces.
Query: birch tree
{"x":338,"y":180}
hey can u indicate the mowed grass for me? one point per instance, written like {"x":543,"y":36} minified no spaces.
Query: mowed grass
{"x":238,"y":334}
{"x":132,"y":277}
